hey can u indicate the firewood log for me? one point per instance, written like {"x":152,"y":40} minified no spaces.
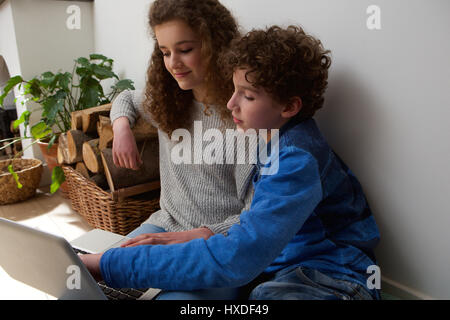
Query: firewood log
{"x":100,"y":180}
{"x":105,"y":133}
{"x":76,"y":120}
{"x":90,"y":117}
{"x":63,"y":152}
{"x":91,"y":156}
{"x":75,"y":140}
{"x":141,"y":131}
{"x":81,"y":168}
{"x":118,"y":178}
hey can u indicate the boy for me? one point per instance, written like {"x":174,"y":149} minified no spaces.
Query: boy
{"x":309,"y":233}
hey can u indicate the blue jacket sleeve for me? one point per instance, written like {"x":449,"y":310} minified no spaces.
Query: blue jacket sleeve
{"x":281,"y":204}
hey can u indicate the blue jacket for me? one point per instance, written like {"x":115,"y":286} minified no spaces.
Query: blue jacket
{"x":312,"y":213}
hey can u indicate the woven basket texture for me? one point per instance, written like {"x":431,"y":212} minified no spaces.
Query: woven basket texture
{"x":29,"y":172}
{"x":101,"y":211}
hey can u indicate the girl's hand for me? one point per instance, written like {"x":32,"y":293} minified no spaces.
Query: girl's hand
{"x":169,"y":237}
{"x":125,"y":151}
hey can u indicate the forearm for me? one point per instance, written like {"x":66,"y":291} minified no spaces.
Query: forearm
{"x":220,"y":261}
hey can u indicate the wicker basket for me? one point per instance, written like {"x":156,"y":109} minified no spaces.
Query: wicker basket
{"x":101,"y":211}
{"x":29,"y":172}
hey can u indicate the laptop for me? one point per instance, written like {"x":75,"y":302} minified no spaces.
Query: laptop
{"x":51,"y":264}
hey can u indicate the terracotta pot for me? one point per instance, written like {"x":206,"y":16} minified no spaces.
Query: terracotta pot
{"x":50,"y":157}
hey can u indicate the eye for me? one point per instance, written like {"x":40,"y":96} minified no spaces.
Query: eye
{"x":249,"y":98}
{"x":186,"y":51}
{"x":165,"y":54}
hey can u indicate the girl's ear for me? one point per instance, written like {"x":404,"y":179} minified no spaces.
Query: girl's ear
{"x":292,"y":107}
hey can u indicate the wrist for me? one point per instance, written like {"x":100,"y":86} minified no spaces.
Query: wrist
{"x":206,"y":232}
{"x":121,"y":123}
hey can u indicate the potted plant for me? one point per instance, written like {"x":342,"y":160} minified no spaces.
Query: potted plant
{"x":58,"y":95}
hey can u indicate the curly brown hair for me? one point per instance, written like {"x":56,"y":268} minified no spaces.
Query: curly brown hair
{"x":285,"y":62}
{"x":168,"y":104}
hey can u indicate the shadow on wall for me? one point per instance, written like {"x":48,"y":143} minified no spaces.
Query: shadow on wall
{"x":8,"y":113}
{"x":4,"y":77}
{"x":352,"y":120}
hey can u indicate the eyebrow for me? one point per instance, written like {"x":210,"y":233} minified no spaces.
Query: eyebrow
{"x":248,"y":88}
{"x":180,"y":42}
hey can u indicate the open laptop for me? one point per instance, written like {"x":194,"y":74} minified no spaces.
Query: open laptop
{"x":51,"y":264}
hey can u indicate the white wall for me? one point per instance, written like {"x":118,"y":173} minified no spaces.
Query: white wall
{"x":34,"y":38}
{"x":386,"y":112}
{"x":122,"y":33}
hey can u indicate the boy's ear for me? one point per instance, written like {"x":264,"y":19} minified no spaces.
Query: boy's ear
{"x":292,"y":107}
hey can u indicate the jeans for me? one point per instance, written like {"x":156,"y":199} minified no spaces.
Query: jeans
{"x":302,"y":283}
{"x":298,"y":283}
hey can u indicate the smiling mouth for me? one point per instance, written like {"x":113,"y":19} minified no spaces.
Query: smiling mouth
{"x":181,"y":74}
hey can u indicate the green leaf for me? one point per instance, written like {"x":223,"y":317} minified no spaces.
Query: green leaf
{"x":95,"y":56}
{"x":57,"y":179}
{"x":123,"y":85}
{"x":15,"y":176}
{"x":47,"y":74}
{"x":40,"y":130}
{"x":10,"y":84}
{"x":103,"y":72}
{"x":33,"y":87}
{"x":65,"y":80}
{"x":52,"y":141}
{"x":24,"y":118}
{"x":91,"y":91}
{"x":48,"y":79}
{"x":83,"y":72}
{"x":52,"y":105}
{"x":90,"y":97}
{"x":84,"y":62}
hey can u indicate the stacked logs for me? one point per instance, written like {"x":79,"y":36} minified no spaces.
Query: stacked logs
{"x":88,"y":148}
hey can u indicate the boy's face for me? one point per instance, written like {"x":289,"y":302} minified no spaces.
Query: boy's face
{"x":253,"y":107}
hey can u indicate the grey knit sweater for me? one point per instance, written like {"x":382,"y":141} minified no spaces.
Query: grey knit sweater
{"x":193,"y":195}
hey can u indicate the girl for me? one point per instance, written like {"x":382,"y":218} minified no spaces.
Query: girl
{"x":185,"y":84}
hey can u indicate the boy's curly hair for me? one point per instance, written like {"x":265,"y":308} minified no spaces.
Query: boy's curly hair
{"x":285,"y":62}
{"x":168,"y":104}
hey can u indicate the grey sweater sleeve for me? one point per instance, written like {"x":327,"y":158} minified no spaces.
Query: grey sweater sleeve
{"x":244,"y":187}
{"x":128,"y":104}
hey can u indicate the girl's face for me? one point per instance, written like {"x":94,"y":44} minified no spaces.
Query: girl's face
{"x":253,"y":107}
{"x":181,"y":49}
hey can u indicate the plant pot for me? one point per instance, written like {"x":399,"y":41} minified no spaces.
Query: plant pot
{"x":50,"y":157}
{"x":29,"y":172}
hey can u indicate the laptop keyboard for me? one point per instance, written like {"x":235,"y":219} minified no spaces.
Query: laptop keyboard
{"x":117,"y":294}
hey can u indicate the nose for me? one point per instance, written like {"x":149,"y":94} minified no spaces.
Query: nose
{"x":175,"y":61}
{"x":231,"y":105}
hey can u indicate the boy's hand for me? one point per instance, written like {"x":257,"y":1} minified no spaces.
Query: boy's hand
{"x":169,"y":237}
{"x":92,"y":263}
{"x":125,"y":151}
